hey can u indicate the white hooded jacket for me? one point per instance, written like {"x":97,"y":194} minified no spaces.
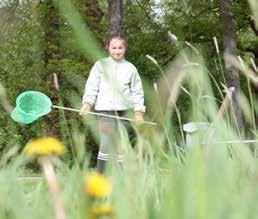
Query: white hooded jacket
{"x":114,"y":85}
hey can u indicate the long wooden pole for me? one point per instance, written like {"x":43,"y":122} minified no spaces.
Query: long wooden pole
{"x":102,"y":114}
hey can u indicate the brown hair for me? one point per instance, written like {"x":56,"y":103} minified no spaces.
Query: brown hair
{"x":119,"y":37}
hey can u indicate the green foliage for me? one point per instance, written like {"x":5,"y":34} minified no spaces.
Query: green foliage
{"x":42,"y":38}
{"x":162,"y":177}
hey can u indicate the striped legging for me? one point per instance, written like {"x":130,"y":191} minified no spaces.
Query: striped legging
{"x":111,"y":132}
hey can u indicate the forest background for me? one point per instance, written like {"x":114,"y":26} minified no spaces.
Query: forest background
{"x":44,"y":49}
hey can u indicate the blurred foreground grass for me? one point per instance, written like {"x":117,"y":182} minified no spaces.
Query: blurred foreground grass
{"x":161,"y":177}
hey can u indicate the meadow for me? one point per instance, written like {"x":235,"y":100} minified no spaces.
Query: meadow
{"x":163,"y":176}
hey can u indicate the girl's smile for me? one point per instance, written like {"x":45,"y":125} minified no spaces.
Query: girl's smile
{"x":117,"y":49}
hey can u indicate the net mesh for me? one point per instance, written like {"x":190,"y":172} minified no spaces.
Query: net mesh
{"x":34,"y":103}
{"x":31,"y":105}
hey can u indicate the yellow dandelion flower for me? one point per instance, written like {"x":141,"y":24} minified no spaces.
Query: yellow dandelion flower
{"x":102,"y":210}
{"x":98,"y":185}
{"x":44,"y":146}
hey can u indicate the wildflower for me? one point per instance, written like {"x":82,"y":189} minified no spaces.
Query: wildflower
{"x":102,"y":210}
{"x":98,"y":185}
{"x":44,"y":146}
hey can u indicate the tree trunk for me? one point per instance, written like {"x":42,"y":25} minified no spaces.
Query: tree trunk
{"x":229,"y":45}
{"x":115,"y":17}
{"x":49,"y":19}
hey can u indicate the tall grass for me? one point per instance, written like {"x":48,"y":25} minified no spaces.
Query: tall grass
{"x":162,"y":177}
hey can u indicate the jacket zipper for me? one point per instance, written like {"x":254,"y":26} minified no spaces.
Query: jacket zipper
{"x":115,"y":84}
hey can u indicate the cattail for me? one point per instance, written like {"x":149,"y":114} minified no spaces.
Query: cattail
{"x":216,"y":44}
{"x":152,"y":59}
{"x":4,"y":101}
{"x":172,"y":37}
{"x":192,"y":47}
{"x":56,"y":84}
{"x":253,"y":64}
{"x":155,"y":87}
{"x":241,"y":61}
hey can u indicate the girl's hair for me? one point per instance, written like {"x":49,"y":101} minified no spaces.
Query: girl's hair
{"x":119,"y":37}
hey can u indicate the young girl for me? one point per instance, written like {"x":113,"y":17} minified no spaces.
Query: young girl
{"x":113,"y":86}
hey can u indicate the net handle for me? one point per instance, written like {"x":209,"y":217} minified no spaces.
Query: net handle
{"x":101,"y":114}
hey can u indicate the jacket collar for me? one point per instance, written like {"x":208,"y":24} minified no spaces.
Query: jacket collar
{"x":116,"y":61}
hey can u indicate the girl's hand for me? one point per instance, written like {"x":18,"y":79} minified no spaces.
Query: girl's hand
{"x":85,"y":109}
{"x":138,"y":118}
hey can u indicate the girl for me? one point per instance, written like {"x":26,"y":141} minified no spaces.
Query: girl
{"x":113,"y":86}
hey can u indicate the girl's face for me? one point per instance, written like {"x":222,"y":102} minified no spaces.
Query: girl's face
{"x":117,"y":48}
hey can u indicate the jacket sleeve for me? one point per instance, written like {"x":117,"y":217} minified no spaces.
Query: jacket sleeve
{"x":137,"y":92}
{"x":92,"y":86}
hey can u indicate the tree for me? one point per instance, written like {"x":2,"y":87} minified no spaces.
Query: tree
{"x":95,"y":13}
{"x":115,"y":17}
{"x":230,"y":46}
